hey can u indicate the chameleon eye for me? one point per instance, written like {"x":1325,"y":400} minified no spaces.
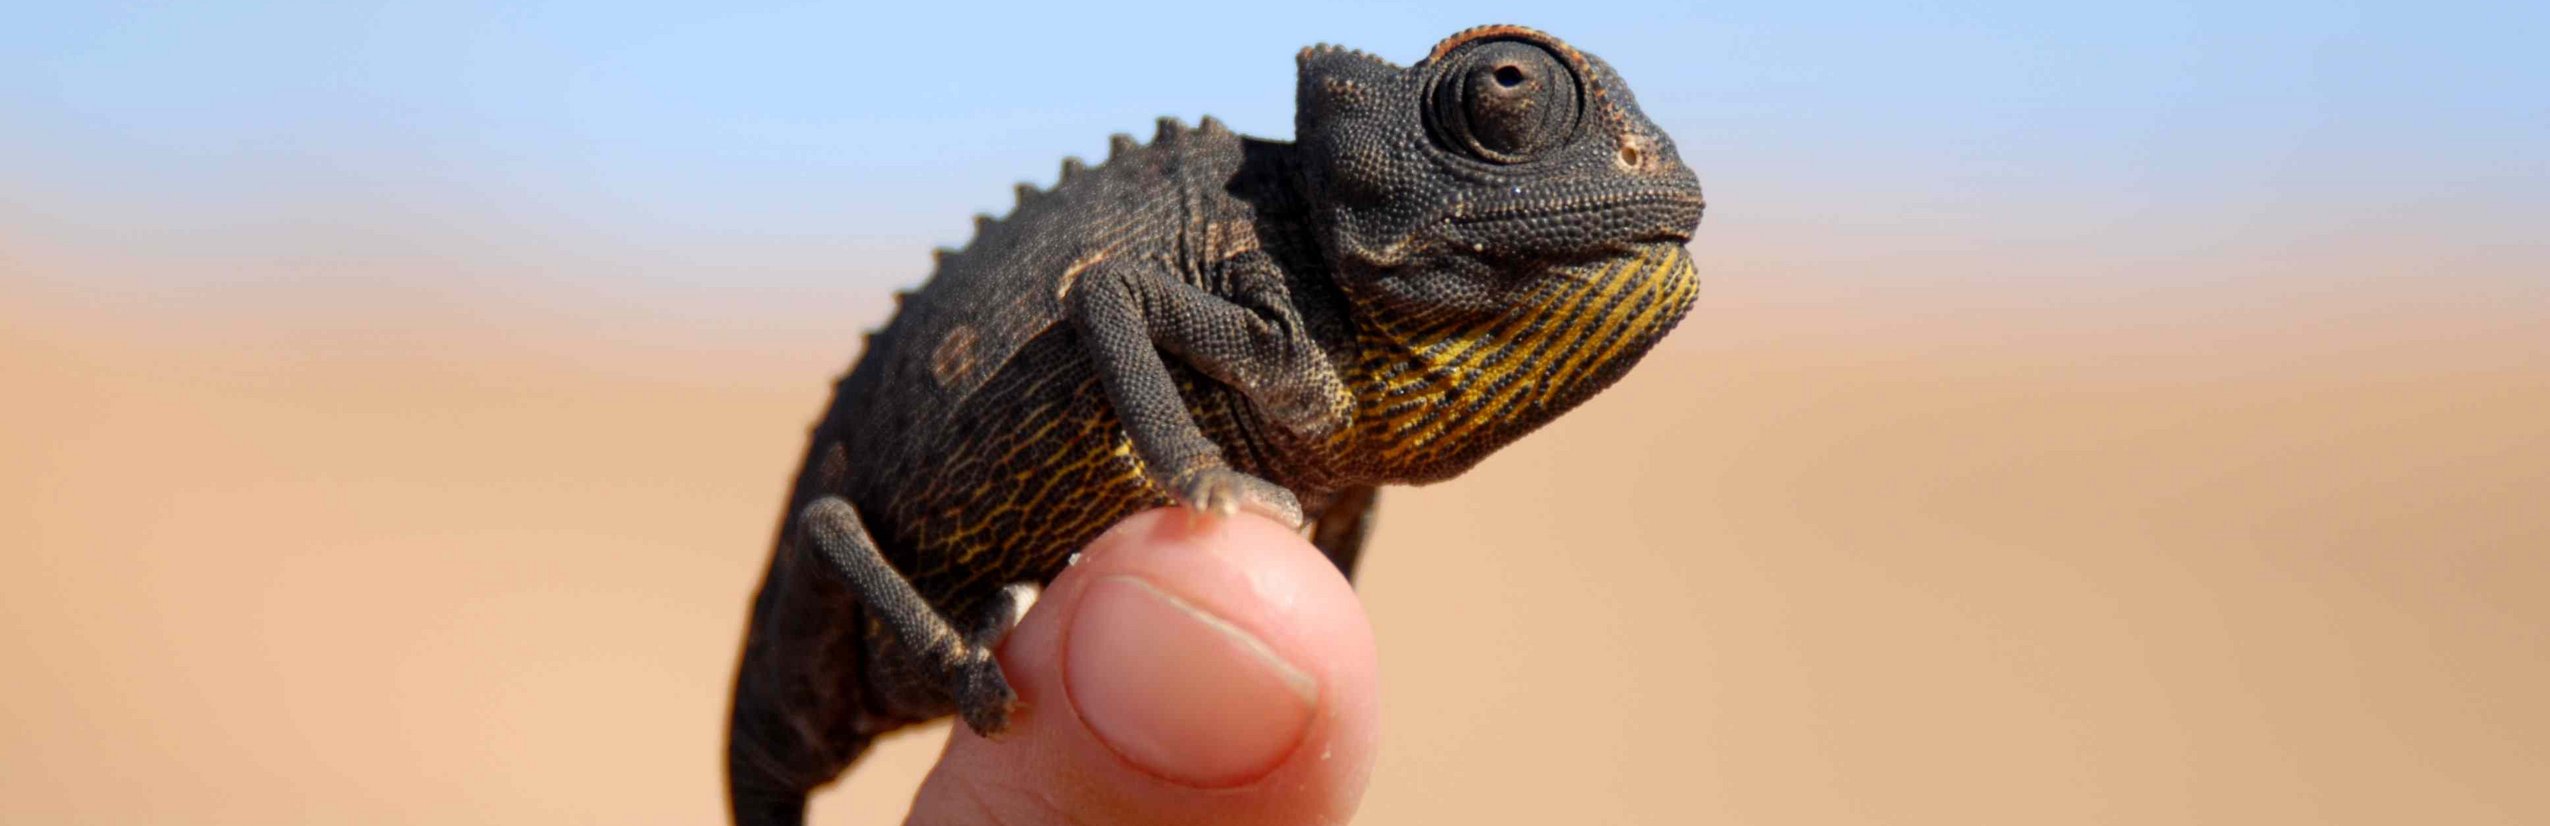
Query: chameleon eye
{"x":1504,"y":101}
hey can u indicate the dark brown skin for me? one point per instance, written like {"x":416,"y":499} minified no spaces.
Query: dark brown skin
{"x":1452,"y":255}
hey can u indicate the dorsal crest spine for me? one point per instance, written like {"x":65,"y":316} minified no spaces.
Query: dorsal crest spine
{"x":1121,"y":147}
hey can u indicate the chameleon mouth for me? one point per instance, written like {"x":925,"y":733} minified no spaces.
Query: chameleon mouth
{"x":1663,"y":259}
{"x":1637,"y":216}
{"x":1518,"y":205}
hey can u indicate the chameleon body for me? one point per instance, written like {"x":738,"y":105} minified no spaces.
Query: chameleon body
{"x":1450,"y":255}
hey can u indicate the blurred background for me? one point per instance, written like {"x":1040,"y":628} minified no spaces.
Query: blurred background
{"x":2127,"y":415}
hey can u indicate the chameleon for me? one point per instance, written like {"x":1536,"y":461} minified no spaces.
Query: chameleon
{"x":1447,"y":256}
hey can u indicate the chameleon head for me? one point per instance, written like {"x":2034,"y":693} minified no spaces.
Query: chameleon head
{"x":1510,"y":228}
{"x":1503,"y":158}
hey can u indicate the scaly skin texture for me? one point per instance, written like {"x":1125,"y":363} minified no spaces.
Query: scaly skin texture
{"x":1454,"y":253}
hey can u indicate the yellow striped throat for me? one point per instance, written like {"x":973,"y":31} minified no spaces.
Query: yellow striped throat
{"x":1433,"y":396}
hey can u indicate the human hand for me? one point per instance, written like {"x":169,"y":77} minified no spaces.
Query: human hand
{"x":1188,"y":670}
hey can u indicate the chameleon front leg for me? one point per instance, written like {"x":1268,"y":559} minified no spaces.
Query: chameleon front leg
{"x":1128,"y":315}
{"x":956,"y":664}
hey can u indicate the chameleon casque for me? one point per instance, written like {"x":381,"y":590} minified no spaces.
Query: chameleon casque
{"x":1450,"y":255}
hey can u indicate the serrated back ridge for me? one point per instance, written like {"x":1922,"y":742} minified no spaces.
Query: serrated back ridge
{"x":1122,"y":150}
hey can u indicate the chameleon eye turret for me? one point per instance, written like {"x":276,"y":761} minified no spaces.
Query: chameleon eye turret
{"x":1450,"y":255}
{"x":1504,"y":101}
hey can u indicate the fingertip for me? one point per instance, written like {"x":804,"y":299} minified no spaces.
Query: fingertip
{"x":1191,"y":667}
{"x":1179,"y":691}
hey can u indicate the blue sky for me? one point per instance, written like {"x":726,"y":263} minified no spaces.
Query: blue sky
{"x":639,"y":126}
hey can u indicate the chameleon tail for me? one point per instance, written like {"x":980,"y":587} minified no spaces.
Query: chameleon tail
{"x":761,"y":788}
{"x":793,"y":726}
{"x":763,"y":807}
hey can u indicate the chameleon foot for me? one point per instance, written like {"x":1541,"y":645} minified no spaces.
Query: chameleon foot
{"x":983,"y":695}
{"x":1222,"y":491}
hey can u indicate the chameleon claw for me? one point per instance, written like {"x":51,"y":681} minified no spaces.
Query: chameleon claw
{"x":1000,"y":734}
{"x":1223,"y":493}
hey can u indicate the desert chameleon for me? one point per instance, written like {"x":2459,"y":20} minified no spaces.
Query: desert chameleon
{"x":1448,"y":256}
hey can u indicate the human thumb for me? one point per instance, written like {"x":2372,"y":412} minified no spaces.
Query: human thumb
{"x":1190,"y":669}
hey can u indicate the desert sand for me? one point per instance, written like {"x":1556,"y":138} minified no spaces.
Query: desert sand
{"x":1939,"y":554}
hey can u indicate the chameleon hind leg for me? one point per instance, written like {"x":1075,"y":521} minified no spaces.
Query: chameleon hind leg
{"x":946,"y":660}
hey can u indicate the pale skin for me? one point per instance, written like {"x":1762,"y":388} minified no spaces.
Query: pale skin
{"x":1191,"y":668}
